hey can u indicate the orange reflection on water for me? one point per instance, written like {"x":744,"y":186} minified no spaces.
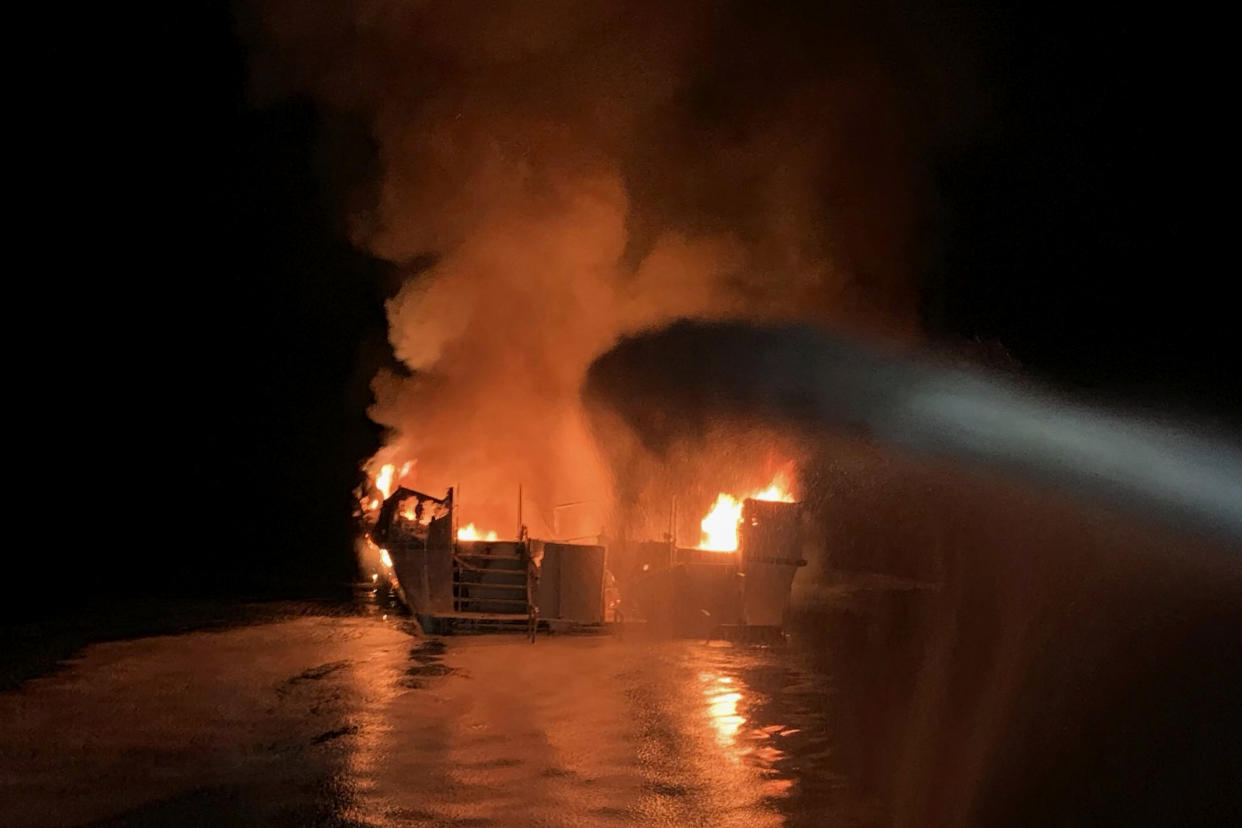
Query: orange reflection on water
{"x":722,"y":698}
{"x":744,"y":742}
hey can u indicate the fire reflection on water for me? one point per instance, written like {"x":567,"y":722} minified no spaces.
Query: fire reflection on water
{"x":392,"y":728}
{"x":722,"y":699}
{"x":571,"y":731}
{"x":726,"y":700}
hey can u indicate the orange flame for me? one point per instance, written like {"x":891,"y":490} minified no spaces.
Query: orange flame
{"x":384,"y":557}
{"x":719,"y":526}
{"x":470,"y":533}
{"x":384,"y":480}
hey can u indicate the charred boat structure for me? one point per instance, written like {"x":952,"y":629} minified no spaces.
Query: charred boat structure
{"x":457,"y":585}
{"x":453,"y":581}
{"x":740,"y":594}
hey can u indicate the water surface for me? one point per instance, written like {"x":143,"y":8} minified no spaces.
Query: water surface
{"x":359,"y":720}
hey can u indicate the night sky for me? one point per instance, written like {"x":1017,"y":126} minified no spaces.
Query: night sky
{"x":221,"y":359}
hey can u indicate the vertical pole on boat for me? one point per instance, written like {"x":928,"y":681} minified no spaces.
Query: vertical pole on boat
{"x":672,"y":530}
{"x":519,"y":526}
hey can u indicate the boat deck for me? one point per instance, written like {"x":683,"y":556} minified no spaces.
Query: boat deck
{"x":482,"y":616}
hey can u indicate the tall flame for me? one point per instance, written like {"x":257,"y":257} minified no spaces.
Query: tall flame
{"x":384,"y":480}
{"x":719,"y":526}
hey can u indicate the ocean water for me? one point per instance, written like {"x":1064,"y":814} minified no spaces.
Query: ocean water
{"x":890,"y":704}
{"x":357,"y":719}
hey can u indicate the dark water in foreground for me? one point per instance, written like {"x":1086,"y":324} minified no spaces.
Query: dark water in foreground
{"x":356,"y":720}
{"x":891,"y":705}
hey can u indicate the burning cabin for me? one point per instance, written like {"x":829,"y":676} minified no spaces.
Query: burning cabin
{"x":453,"y":583}
{"x":707,"y":592}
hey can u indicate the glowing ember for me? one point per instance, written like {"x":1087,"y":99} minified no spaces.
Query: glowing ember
{"x":384,"y":480}
{"x":470,"y":533}
{"x":719,"y":526}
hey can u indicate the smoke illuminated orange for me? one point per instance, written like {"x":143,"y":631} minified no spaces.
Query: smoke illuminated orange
{"x":719,"y":526}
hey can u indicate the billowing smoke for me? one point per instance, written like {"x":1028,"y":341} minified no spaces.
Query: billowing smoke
{"x":553,"y":176}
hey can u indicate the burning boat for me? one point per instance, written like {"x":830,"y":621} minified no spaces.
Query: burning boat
{"x":456,"y":579}
{"x":735,"y":583}
{"x":737,"y":592}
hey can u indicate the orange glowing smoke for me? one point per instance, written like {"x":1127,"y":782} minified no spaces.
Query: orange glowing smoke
{"x":470,"y":533}
{"x":719,"y":526}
